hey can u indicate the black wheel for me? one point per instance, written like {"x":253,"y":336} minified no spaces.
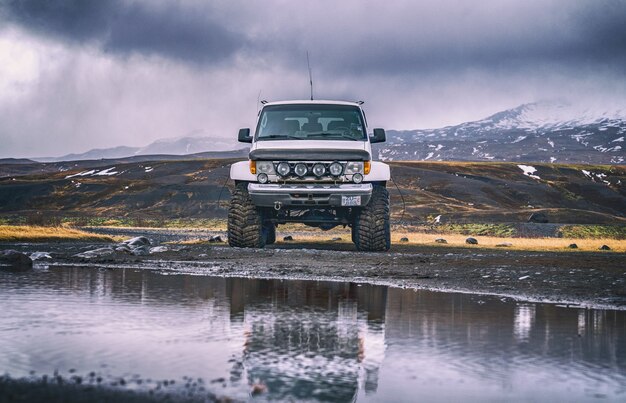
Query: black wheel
{"x":371,"y":227}
{"x":270,"y":234}
{"x":245,"y":223}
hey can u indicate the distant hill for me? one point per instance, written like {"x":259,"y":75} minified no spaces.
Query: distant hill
{"x":194,"y":187}
{"x":537,"y":132}
{"x":29,"y":167}
{"x":170,"y":146}
{"x":16,"y":161}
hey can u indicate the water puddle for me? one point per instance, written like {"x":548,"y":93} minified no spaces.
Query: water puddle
{"x":192,"y":335}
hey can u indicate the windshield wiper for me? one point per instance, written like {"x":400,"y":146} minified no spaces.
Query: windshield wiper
{"x":281,"y":136}
{"x":327,"y":134}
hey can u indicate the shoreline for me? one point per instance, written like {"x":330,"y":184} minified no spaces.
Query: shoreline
{"x":582,"y":279}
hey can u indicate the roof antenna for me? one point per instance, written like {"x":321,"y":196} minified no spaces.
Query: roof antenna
{"x":310,"y":75}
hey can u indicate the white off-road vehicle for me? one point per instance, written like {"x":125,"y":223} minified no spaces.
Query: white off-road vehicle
{"x":310,"y":162}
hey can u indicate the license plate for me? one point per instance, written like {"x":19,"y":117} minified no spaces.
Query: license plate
{"x":350,"y":200}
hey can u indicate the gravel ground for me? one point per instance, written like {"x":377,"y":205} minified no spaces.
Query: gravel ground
{"x":590,"y":279}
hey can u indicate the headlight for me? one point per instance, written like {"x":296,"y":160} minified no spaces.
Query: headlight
{"x":357,"y":178}
{"x":335,"y":169}
{"x":265,"y":167}
{"x":262,"y":178}
{"x":319,"y":170}
{"x":300,"y":169}
{"x":283,"y":169}
{"x":354,"y":167}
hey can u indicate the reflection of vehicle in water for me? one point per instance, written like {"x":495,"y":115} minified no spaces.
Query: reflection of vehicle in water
{"x":307,"y":342}
{"x":310,"y":162}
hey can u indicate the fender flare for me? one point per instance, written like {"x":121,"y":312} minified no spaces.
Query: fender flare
{"x":240,"y":171}
{"x":379,"y":172}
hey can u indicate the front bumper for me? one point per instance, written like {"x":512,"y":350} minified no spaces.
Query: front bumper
{"x":305,"y":195}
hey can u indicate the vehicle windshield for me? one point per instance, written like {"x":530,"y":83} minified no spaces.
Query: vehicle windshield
{"x":311,"y":122}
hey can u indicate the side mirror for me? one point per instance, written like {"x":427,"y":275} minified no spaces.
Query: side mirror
{"x":379,"y":136}
{"x":244,"y":136}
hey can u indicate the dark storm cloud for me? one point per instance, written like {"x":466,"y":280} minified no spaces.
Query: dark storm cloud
{"x":456,"y":35}
{"x":189,"y":34}
{"x":358,"y":37}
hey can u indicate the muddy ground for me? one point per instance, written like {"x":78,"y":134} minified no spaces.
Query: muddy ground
{"x":590,"y":279}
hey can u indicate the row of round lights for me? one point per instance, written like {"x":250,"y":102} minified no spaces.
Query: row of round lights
{"x":300,"y":169}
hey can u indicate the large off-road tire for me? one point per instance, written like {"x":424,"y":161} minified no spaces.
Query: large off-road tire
{"x":371,"y":227}
{"x":245,"y":222}
{"x":270,"y":234}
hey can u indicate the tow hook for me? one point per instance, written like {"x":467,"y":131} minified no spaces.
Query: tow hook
{"x":277,"y":205}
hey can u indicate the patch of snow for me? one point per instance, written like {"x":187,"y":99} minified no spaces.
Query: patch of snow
{"x":593,"y":176}
{"x":551,"y":143}
{"x":106,"y":172}
{"x":520,"y":138}
{"x":618,"y":140}
{"x":438,"y":219}
{"x":94,"y":172}
{"x":149,"y":169}
{"x":529,"y":171}
{"x":429,"y":156}
{"x":552,"y":160}
{"x":84,"y":173}
{"x":439,"y":147}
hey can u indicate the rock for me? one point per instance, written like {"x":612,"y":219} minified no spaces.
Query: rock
{"x":288,"y":238}
{"x":141,"y":250}
{"x":96,"y":253}
{"x":13,"y":260}
{"x":572,"y":246}
{"x":504,"y":245}
{"x":540,"y":218}
{"x":404,"y":239}
{"x":123,"y":248}
{"x":137,"y":241}
{"x":215,"y":239}
{"x":100,"y":252}
{"x":336,"y":239}
{"x":40,"y":255}
{"x":605,"y":247}
{"x":471,"y":241}
{"x":158,"y":249}
{"x":441,"y":240}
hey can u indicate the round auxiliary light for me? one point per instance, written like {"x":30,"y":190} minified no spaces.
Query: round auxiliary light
{"x":319,"y":170}
{"x":335,"y":169}
{"x":357,"y":178}
{"x":300,"y":169}
{"x":283,"y":169}
{"x":262,"y":178}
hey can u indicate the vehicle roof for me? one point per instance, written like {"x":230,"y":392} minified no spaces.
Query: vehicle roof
{"x":314,"y":102}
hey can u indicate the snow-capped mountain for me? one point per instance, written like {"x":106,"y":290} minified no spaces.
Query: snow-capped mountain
{"x":537,"y":132}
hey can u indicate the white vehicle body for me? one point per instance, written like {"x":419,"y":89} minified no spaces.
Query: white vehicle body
{"x":309,"y":162}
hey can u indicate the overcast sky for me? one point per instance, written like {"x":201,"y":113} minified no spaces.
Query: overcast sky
{"x":80,"y":74}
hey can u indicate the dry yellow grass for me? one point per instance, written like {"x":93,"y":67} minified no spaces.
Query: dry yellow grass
{"x":28,"y":233}
{"x":458,"y":240}
{"x":537,"y":244}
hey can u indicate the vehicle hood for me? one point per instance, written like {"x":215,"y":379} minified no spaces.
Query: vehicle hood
{"x":310,"y":150}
